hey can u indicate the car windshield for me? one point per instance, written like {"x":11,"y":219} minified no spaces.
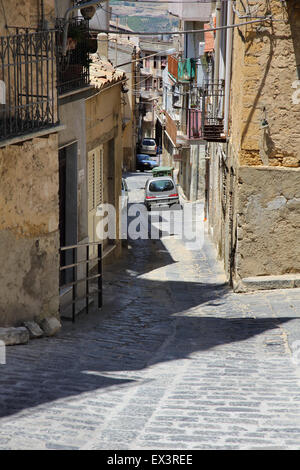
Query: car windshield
{"x":148,"y":142}
{"x":143,"y":157}
{"x":161,"y":185}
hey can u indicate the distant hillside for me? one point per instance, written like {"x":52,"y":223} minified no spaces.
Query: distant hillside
{"x":141,"y":23}
{"x":143,"y":17}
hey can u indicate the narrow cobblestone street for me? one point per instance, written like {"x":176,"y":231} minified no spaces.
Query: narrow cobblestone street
{"x":175,"y":360}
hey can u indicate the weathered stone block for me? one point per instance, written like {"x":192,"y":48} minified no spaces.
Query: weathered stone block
{"x":50,"y":326}
{"x":13,"y":335}
{"x":33,"y":329}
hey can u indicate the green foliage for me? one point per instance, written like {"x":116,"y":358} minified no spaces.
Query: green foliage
{"x":141,"y":23}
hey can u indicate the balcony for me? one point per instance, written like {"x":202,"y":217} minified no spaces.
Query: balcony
{"x":182,"y":70}
{"x":73,"y":68}
{"x":27,"y":83}
{"x":213,"y":103}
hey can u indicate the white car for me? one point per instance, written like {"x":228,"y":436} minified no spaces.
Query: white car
{"x":161,"y":191}
{"x":148,"y":146}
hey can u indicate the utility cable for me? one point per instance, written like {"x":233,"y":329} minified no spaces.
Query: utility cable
{"x":192,"y":31}
{"x":174,"y":1}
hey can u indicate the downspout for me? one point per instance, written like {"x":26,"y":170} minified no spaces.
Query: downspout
{"x":66,"y":20}
{"x":228,"y":66}
{"x":217,"y":42}
{"x":216,"y":65}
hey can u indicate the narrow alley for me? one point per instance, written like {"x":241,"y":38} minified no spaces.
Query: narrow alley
{"x":174,"y":360}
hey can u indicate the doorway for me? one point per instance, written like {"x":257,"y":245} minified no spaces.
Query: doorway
{"x":68,"y":217}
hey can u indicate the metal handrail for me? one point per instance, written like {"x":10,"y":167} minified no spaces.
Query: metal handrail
{"x":63,"y":248}
{"x":87,"y":278}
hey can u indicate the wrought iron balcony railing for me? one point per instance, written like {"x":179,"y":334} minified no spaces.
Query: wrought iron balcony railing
{"x":213,"y":112}
{"x":27,"y":82}
{"x":73,"y":70}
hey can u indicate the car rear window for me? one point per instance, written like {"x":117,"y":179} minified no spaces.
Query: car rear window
{"x":143,"y":157}
{"x":149,"y":142}
{"x":161,"y":185}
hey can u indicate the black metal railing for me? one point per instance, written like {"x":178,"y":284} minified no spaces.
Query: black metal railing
{"x":73,"y":71}
{"x":27,"y":82}
{"x":213,"y":111}
{"x":72,"y":267}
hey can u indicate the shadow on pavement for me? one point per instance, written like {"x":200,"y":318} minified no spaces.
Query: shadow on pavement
{"x":143,"y":322}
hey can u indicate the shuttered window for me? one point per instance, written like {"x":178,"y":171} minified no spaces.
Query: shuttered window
{"x":95,"y":178}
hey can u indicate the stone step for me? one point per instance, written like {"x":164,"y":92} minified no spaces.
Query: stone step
{"x":285,"y":281}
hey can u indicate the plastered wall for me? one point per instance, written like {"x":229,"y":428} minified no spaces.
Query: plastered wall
{"x":29,"y":237}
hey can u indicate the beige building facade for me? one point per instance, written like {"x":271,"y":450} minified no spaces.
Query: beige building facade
{"x":29,"y":232}
{"x":104,"y":149}
{"x":61,"y":154}
{"x":253,"y":189}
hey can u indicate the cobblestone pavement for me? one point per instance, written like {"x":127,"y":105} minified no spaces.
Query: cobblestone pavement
{"x":174,"y":360}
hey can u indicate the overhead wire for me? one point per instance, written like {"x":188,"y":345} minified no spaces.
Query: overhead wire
{"x":192,"y":31}
{"x":158,"y":2}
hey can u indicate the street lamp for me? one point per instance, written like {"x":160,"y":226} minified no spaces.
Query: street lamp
{"x":82,"y":6}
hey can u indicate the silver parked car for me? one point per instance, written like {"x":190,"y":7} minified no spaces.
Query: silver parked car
{"x":148,"y":146}
{"x":161,"y":191}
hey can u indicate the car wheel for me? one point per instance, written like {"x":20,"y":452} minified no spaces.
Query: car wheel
{"x":148,"y":208}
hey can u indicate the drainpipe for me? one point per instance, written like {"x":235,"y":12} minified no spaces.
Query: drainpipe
{"x":228,"y":66}
{"x":66,"y":20}
{"x":217,"y":41}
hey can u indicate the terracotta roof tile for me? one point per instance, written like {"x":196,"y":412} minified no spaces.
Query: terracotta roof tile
{"x":102,"y":72}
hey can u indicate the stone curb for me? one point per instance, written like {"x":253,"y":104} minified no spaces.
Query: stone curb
{"x":22,"y":334}
{"x":250,"y":284}
{"x":181,"y":193}
{"x":14,"y":335}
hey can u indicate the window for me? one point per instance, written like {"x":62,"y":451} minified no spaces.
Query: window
{"x":149,"y":142}
{"x":143,"y":157}
{"x":148,"y":84}
{"x":160,"y":186}
{"x":95,"y":179}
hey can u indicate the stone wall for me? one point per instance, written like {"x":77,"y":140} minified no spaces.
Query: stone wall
{"x":25,"y":13}
{"x":264,"y":82}
{"x":104,"y":127}
{"x":268,"y":217}
{"x":254,"y":206}
{"x":29,"y":237}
